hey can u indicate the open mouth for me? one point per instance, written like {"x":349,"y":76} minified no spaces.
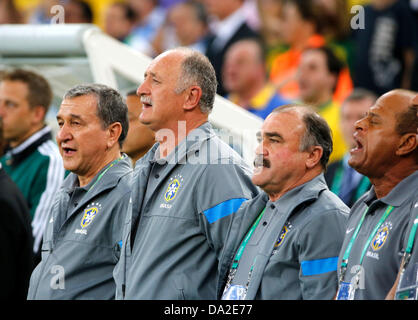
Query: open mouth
{"x":146,"y":102}
{"x":358,"y":146}
{"x":68,"y":151}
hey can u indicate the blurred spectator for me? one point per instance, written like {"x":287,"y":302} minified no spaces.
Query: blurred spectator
{"x":9,"y":13}
{"x":32,"y":159}
{"x":414,"y":79}
{"x":317,"y":77}
{"x":343,"y":180}
{"x":384,"y":48}
{"x":140,"y":138}
{"x":335,"y":19}
{"x":245,"y":79}
{"x":149,"y":17}
{"x":119,"y":20}
{"x":270,"y":28}
{"x":301,"y":29}
{"x":186,"y":25}
{"x":77,"y":11}
{"x":16,"y":254}
{"x":228,"y":27}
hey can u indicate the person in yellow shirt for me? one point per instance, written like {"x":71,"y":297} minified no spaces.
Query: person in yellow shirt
{"x":317,"y":77}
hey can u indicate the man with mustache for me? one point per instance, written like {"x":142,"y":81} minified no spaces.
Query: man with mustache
{"x":386,"y":152}
{"x":186,"y":189}
{"x":292,"y":232}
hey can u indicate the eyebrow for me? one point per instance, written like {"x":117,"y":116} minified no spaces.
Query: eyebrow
{"x":72,"y":116}
{"x":373,"y":115}
{"x":150,"y":73}
{"x":269,"y":135}
{"x":273,"y":135}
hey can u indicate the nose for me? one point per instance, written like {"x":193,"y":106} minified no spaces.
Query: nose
{"x":261,"y":150}
{"x":63,"y":134}
{"x":142,"y":89}
{"x":360,"y":125}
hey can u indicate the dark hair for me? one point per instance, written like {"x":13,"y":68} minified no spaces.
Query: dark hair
{"x":407,"y":122}
{"x":334,"y":65}
{"x":86,"y":10}
{"x":199,"y":10}
{"x":128,"y":12}
{"x":111,"y":107}
{"x":309,"y":11}
{"x":39,"y":90}
{"x":317,"y":133}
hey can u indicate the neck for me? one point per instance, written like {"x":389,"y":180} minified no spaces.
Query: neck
{"x":274,"y":196}
{"x":107,"y":159}
{"x":139,"y":154}
{"x":168,"y":142}
{"x":319,"y":100}
{"x":17,"y":142}
{"x":390,"y":179}
{"x":245,"y":96}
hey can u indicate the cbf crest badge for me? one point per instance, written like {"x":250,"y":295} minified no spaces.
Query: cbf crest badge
{"x":281,"y":236}
{"x":380,"y":238}
{"x":89,"y":213}
{"x":173,"y":187}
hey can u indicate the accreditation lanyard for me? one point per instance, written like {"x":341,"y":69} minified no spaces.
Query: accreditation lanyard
{"x":347,"y":252}
{"x":411,"y":241}
{"x":240,"y":251}
{"x":245,"y":241}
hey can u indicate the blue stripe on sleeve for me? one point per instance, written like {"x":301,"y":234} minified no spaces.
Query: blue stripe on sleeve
{"x":223,"y":209}
{"x":315,"y":267}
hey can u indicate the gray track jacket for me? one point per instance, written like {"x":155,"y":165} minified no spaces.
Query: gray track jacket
{"x":294,"y":249}
{"x":182,"y":211}
{"x":81,"y":244}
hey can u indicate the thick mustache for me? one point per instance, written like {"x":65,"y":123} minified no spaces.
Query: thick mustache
{"x":260,"y":161}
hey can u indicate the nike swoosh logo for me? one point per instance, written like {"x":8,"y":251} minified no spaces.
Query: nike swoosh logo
{"x":349,"y":230}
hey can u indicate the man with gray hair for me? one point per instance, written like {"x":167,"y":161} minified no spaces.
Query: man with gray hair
{"x":84,"y":231}
{"x":185,"y":190}
{"x":288,"y":244}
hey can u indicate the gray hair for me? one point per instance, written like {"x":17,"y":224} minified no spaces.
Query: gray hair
{"x":317,"y":133}
{"x":111,"y":107}
{"x":196,"y":69}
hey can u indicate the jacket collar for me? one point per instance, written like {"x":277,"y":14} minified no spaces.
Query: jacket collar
{"x":399,"y":194}
{"x":16,"y":155}
{"x":109,"y":179}
{"x":189,"y":145}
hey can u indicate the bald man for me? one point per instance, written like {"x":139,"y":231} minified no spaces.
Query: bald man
{"x":386,"y":152}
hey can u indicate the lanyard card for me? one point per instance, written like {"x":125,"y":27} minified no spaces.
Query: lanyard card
{"x":345,"y":291}
{"x":234,"y":292}
{"x":408,"y":284}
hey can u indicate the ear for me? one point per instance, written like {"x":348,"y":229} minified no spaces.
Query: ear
{"x":314,"y":157}
{"x":38,"y":113}
{"x":407,"y":144}
{"x":415,"y":100}
{"x":193,"y":95}
{"x":113,"y":131}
